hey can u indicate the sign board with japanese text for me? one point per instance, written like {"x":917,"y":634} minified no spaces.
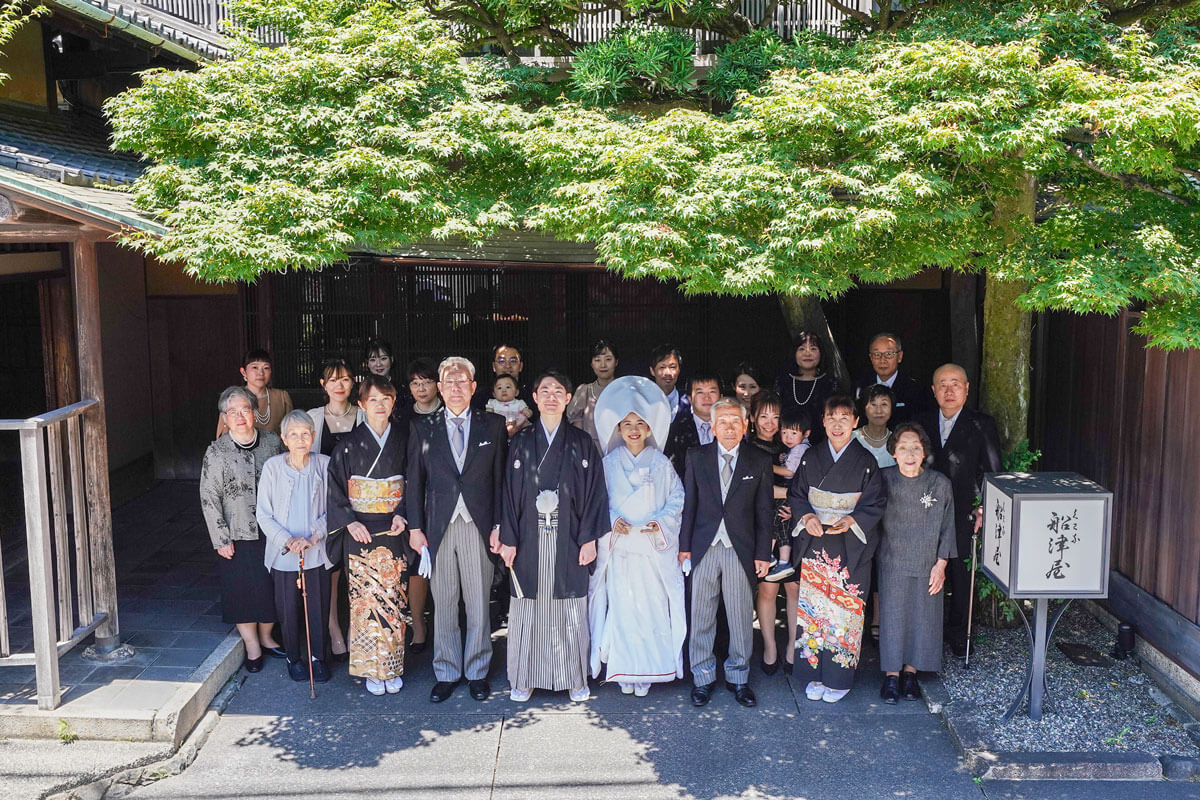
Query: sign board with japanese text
{"x":1046,"y":534}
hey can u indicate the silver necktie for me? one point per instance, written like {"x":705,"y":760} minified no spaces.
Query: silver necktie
{"x":459,"y":440}
{"x":726,"y":472}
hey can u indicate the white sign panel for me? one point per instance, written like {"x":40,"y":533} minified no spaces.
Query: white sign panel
{"x":1062,"y":545}
{"x":1046,"y":534}
{"x":997,"y":534}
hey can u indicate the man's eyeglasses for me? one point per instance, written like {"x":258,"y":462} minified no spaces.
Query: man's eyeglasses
{"x":885,"y":356}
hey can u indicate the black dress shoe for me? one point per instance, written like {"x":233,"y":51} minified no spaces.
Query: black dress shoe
{"x":340,"y":658}
{"x":254,"y":664}
{"x":416,"y":648}
{"x":909,"y":688}
{"x":743,"y":694}
{"x":275,"y":652}
{"x":701,"y":693}
{"x":769,"y":669}
{"x":958,"y":647}
{"x":320,"y":672}
{"x":890,"y":691}
{"x":298,"y":672}
{"x":442,"y":690}
{"x":789,"y":667}
{"x":480,"y":689}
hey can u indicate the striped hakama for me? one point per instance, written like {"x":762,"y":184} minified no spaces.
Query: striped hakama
{"x":547,"y":638}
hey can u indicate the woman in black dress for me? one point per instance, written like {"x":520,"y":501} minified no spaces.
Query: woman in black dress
{"x":331,"y":423}
{"x":764,"y":416}
{"x":804,"y":383}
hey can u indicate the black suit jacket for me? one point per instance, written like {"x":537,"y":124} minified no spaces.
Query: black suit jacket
{"x":681,"y":438}
{"x":748,"y":509}
{"x":972,"y":450}
{"x":434,"y":483}
{"x":912,"y":399}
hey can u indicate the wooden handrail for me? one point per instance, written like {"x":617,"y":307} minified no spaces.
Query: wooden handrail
{"x":49,"y":418}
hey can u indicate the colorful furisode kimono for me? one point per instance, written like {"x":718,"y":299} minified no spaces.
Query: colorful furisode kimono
{"x":378,"y":571}
{"x":835,"y":570}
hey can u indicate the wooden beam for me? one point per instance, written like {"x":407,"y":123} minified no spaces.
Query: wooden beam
{"x":85,"y":273}
{"x":20,"y":233}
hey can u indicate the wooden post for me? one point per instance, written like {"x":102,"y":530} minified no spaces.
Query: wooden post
{"x":85,"y":274}
{"x":41,"y":573}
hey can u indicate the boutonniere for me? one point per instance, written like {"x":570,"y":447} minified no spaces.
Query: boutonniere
{"x":585,"y":463}
{"x":516,"y":463}
{"x":928,"y":500}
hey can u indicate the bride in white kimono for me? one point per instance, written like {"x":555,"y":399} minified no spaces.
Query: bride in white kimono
{"x":635,"y":597}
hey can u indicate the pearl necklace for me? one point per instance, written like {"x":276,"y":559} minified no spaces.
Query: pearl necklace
{"x":261,"y":420}
{"x":875,"y":442}
{"x":344,"y":414}
{"x":811,"y":390}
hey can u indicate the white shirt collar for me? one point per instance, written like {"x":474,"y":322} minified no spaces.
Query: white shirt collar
{"x":890,"y":382}
{"x":673,"y":399}
{"x":450,"y":414}
{"x":721,"y":449}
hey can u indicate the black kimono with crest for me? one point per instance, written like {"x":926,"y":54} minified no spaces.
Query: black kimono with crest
{"x":572,"y":466}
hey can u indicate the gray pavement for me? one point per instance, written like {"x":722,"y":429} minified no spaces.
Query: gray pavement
{"x":274,"y":742}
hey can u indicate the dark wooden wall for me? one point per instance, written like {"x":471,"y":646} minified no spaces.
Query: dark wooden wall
{"x":554,"y":314}
{"x":195,"y":349}
{"x":1129,"y":418}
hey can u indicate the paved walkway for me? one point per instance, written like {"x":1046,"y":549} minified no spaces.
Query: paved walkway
{"x":272,"y":741}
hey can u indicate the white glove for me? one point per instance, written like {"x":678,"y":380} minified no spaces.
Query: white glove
{"x":687,"y":566}
{"x":425,"y":568}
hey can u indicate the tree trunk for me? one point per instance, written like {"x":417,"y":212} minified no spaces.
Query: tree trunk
{"x":1006,"y":328}
{"x":805,"y":314}
{"x":964,"y":327}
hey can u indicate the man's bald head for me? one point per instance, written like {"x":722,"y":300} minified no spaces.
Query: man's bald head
{"x":950,"y":388}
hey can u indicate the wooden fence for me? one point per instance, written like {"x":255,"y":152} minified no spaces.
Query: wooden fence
{"x":788,"y":18}
{"x":62,"y":597}
{"x":1126,"y":416}
{"x":590,"y":27}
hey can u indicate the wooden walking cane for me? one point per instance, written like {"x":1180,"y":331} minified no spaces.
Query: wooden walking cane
{"x":971,"y":599}
{"x":312,"y":684}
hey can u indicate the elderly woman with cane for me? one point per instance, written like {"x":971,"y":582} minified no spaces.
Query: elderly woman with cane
{"x":291,"y":514}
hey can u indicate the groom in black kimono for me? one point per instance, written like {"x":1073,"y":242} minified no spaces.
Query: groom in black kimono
{"x":455,"y":471}
{"x":726,"y":533}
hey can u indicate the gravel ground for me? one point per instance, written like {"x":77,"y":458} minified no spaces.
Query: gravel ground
{"x":1110,"y":708}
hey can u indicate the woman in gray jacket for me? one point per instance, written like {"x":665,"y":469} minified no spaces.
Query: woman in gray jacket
{"x":228,"y":491}
{"x":291,"y":515}
{"x":918,"y":539}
